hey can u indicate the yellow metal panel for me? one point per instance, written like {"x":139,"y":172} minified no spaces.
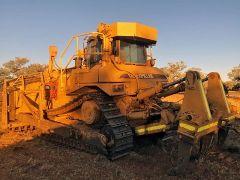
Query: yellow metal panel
{"x":149,"y":129}
{"x":187,"y":126}
{"x":140,"y":131}
{"x":158,"y":127}
{"x":207,"y":127}
{"x":199,"y":129}
{"x":134,"y":30}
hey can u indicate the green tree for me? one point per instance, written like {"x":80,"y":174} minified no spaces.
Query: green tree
{"x":19,"y":66}
{"x":175,"y":71}
{"x":234,"y":74}
{"x":202,"y":74}
{"x":3,"y":74}
{"x":229,"y":84}
{"x":32,"y":68}
{"x":10,"y":68}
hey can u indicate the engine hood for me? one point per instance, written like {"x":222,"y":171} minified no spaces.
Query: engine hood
{"x":135,"y":77}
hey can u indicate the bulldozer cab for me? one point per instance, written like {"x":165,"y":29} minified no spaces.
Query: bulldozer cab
{"x":130,"y":51}
{"x":130,"y":43}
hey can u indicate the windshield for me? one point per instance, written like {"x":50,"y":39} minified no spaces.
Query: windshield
{"x":133,"y":53}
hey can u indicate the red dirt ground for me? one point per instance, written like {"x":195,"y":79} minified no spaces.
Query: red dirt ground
{"x":28,"y":156}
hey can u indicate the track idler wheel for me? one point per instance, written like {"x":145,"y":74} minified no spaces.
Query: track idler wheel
{"x":90,"y":112}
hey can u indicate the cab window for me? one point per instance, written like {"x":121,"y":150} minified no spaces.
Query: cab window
{"x":132,"y":52}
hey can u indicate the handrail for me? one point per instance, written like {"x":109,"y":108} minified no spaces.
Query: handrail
{"x":70,"y":41}
{"x":77,"y":48}
{"x":69,"y":61}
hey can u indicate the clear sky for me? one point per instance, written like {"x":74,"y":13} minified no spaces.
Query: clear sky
{"x":204,"y":33}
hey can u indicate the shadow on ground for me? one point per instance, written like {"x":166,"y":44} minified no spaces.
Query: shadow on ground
{"x":28,"y":156}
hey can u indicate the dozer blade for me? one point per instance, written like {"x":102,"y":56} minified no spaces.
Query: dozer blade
{"x":200,"y":117}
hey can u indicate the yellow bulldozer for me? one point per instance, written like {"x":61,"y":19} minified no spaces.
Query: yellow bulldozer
{"x":107,"y":92}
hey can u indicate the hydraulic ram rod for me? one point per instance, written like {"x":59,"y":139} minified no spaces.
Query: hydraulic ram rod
{"x":179,"y":81}
{"x":173,"y":83}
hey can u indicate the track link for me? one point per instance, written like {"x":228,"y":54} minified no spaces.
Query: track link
{"x":71,"y":143}
{"x":116,"y":127}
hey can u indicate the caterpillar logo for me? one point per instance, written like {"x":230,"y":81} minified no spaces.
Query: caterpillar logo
{"x":144,"y":76}
{"x":141,"y":76}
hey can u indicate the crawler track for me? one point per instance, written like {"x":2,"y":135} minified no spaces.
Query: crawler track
{"x":116,"y":127}
{"x":112,"y":124}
